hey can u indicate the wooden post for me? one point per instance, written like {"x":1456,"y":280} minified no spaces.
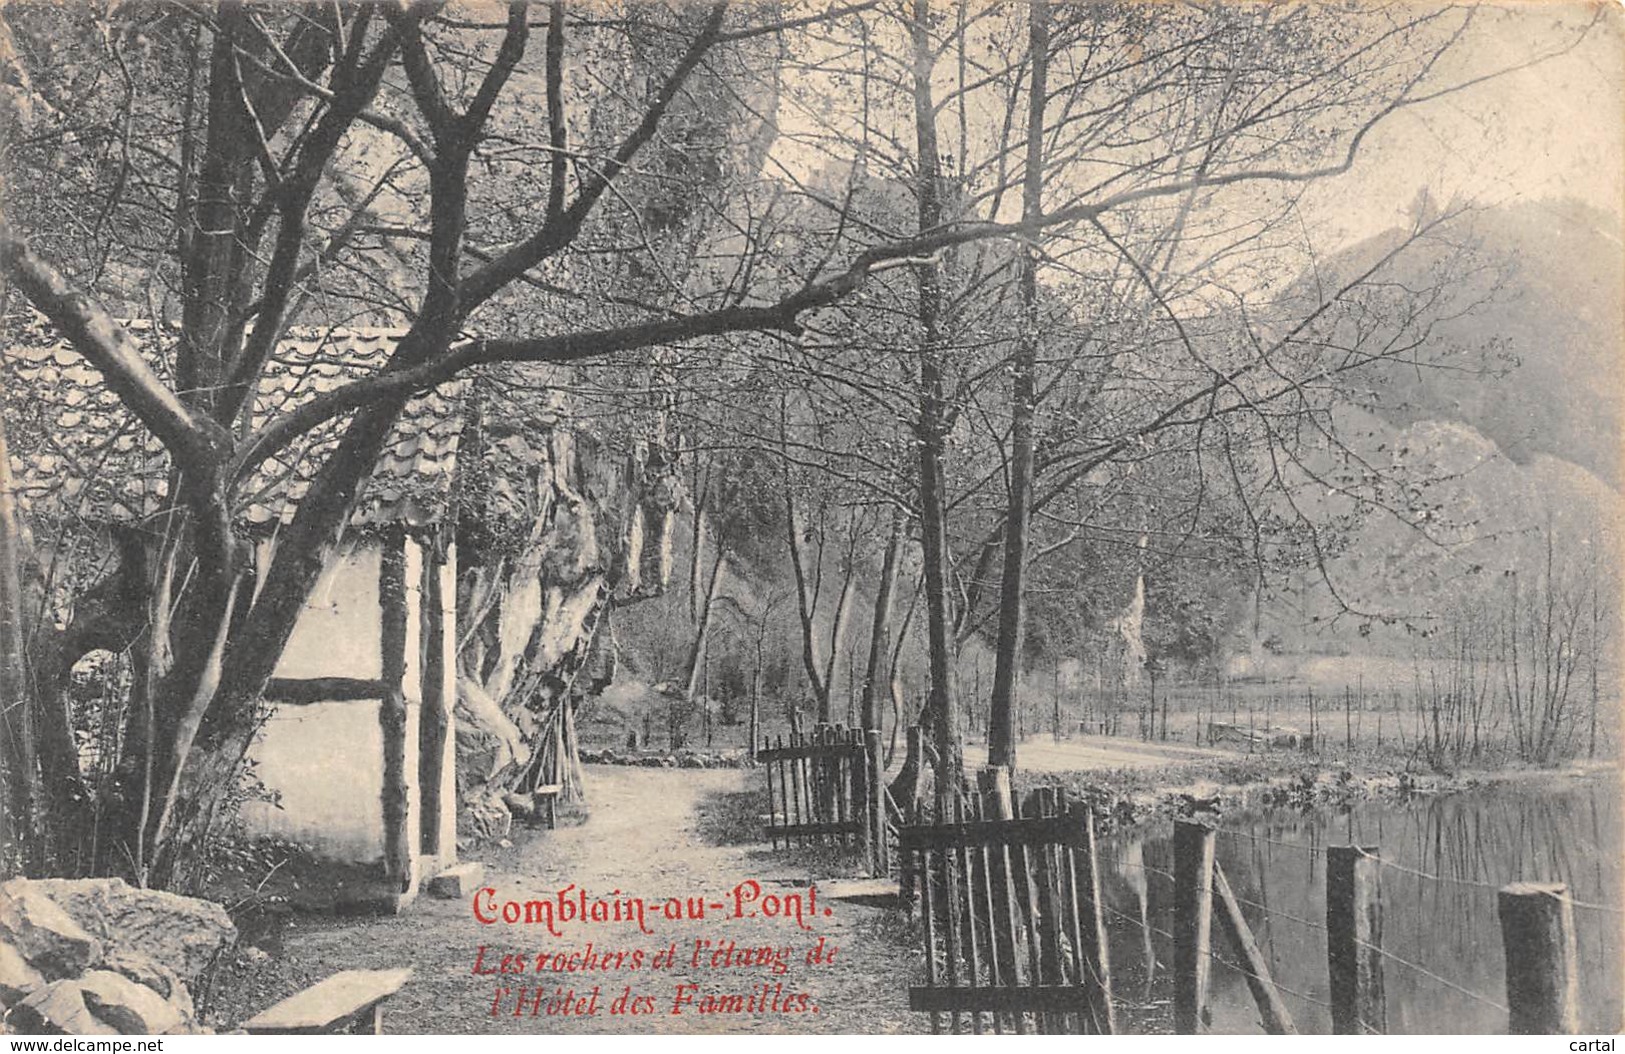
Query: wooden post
{"x":994,"y":784}
{"x":879,"y":852}
{"x":1354,"y":940}
{"x":1090,"y":929}
{"x":1006,"y":883}
{"x":1543,"y":979}
{"x":395,"y":796}
{"x":1271,"y":1010}
{"x":1193,"y":921}
{"x":1055,"y":723}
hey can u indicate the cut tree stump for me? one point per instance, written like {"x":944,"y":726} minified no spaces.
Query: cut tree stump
{"x":457,"y":881}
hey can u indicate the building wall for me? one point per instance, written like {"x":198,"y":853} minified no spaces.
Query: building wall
{"x":339,"y":633}
{"x":325,"y":764}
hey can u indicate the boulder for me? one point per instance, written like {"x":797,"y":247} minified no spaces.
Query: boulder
{"x":129,"y":1008}
{"x":181,"y":933}
{"x":156,"y":976}
{"x":57,"y":1009}
{"x":485,"y":817}
{"x":45,"y":935}
{"x":17,"y":978}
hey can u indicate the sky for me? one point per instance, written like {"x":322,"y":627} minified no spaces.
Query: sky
{"x":1545,"y":119}
{"x":1552,"y":129}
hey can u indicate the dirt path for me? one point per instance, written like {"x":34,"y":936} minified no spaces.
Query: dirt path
{"x":648,"y":835}
{"x":1084,"y":753}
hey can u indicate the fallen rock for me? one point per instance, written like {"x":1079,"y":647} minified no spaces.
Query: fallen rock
{"x":487,"y":818}
{"x":58,"y":1009}
{"x":129,"y":1008}
{"x":45,"y":935}
{"x":17,"y":978}
{"x":153,"y":975}
{"x":182,"y":933}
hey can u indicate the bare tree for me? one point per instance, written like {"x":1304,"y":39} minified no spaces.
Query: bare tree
{"x":502,"y":181}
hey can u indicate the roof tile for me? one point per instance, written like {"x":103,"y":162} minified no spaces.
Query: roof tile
{"x":55,"y":401}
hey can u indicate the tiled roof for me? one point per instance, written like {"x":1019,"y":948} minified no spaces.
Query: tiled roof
{"x":77,"y":453}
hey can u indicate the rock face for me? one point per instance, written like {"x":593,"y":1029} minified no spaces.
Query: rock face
{"x":554,"y":530}
{"x":181,"y":933}
{"x":17,"y":978}
{"x":57,"y":1009}
{"x":131,"y":1008}
{"x":97,"y":957}
{"x":42,"y":933}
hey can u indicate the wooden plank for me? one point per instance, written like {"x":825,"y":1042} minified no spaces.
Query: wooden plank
{"x":996,"y":976}
{"x":1053,"y":965}
{"x":923,"y":861}
{"x":772,"y":808}
{"x":794,"y":765}
{"x":837,"y":771}
{"x":812,"y":829}
{"x":1007,"y":928}
{"x":968,"y":914}
{"x":1053,"y":999}
{"x":1028,"y":893}
{"x":335,"y":1001}
{"x":876,"y":892}
{"x":948,"y":803}
{"x":1066,"y":830}
{"x":1271,"y":1009}
{"x":304,"y":691}
{"x":1094,"y":952}
{"x":879,"y":850}
{"x":826,"y":750}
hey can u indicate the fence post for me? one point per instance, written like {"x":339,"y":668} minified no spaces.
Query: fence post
{"x":1193,"y":921}
{"x":994,"y":784}
{"x":1543,"y":979}
{"x":1006,"y":891}
{"x":1354,"y":940}
{"x":879,"y":853}
{"x":1093,"y":955}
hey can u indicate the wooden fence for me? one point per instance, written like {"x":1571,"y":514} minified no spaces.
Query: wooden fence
{"x":1014,"y":937}
{"x":1537,"y":930}
{"x":1011,"y":913}
{"x":824,"y":788}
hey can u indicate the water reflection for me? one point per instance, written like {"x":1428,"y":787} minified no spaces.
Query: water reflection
{"x":1445,"y":930}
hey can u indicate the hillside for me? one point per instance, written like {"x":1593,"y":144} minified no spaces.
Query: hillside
{"x":1525,"y":445}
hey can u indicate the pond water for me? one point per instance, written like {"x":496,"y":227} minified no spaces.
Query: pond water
{"x":1445,"y":969}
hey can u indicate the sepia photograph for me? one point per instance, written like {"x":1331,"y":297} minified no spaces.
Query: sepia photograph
{"x":772,"y":517}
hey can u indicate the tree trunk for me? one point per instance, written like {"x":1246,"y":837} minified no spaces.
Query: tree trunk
{"x":17,"y":770}
{"x":933,"y":424}
{"x":702,"y":632}
{"x":837,"y":638}
{"x":696,"y":554}
{"x":879,"y":632}
{"x":1001,"y":744}
{"x":211,"y":767}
